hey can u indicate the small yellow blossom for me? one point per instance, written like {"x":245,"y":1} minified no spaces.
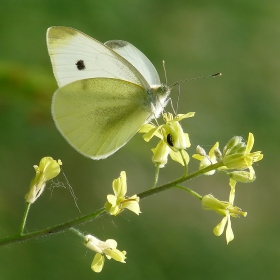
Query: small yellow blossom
{"x":242,"y":176}
{"x":107,"y":248}
{"x":224,"y":208}
{"x":161,"y":152}
{"x":173,"y":139}
{"x":118,"y":202}
{"x":240,"y":156}
{"x":206,"y":160}
{"x":48,"y":169}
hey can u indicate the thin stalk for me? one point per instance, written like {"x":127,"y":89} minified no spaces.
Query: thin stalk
{"x":156,"y":176}
{"x":195,"y":194}
{"x":52,"y":230}
{"x":179,"y":181}
{"x":24,"y":217}
{"x":98,"y":213}
{"x":77,"y":232}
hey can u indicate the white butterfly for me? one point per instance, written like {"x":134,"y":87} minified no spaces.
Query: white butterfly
{"x":106,"y":91}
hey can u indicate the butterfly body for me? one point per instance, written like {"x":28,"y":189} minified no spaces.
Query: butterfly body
{"x":106,"y":91}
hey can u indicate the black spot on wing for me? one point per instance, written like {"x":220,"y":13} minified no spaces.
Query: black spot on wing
{"x":81,"y":65}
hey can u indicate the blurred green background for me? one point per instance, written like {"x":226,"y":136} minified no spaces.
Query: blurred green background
{"x":172,"y":238}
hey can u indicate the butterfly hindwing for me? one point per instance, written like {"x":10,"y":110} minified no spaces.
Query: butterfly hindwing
{"x":98,"y":116}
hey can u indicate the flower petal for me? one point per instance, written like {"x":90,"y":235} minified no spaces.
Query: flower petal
{"x":188,"y":142}
{"x":49,"y":167}
{"x":98,"y":262}
{"x":250,"y":143}
{"x":115,"y":254}
{"x":119,"y":185}
{"x":219,"y":228}
{"x":180,"y":117}
{"x":161,"y":152}
{"x":229,"y":232}
{"x":176,"y":156}
{"x":146,"y":128}
{"x":212,"y":151}
{"x":112,"y":199}
{"x":111,"y":243}
{"x":132,"y":206}
{"x":156,"y":131}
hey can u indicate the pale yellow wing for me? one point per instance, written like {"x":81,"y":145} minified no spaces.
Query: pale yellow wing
{"x":76,"y":56}
{"x":137,"y":59}
{"x":98,"y":116}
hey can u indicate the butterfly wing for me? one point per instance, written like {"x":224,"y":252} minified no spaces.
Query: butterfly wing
{"x":98,"y":116}
{"x":76,"y":56}
{"x":137,"y":59}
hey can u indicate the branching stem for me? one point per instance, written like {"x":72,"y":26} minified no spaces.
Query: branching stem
{"x":98,"y":213}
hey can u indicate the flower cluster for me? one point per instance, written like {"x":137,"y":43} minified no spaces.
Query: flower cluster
{"x":173,"y":140}
{"x":236,"y":158}
{"x":238,"y":155}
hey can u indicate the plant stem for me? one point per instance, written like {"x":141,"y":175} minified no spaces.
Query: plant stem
{"x":98,"y":213}
{"x":77,"y":232}
{"x":180,"y":180}
{"x":156,"y":176}
{"x":24,"y":217}
{"x":190,"y":191}
{"x":52,"y":230}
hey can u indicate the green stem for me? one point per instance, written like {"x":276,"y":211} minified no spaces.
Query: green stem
{"x":52,"y":230}
{"x":24,"y":218}
{"x":156,"y":176}
{"x":190,"y":191}
{"x":77,"y":232}
{"x":98,"y":213}
{"x":179,"y":181}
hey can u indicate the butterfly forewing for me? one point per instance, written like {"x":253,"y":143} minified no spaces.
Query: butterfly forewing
{"x":137,"y":59}
{"x":75,"y":56}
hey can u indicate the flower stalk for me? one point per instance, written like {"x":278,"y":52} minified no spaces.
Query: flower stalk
{"x":98,"y":213}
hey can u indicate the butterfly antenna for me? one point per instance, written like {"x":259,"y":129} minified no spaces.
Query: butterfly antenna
{"x":171,"y":103}
{"x":197,"y":78}
{"x":164,"y":69}
{"x":178,"y":97}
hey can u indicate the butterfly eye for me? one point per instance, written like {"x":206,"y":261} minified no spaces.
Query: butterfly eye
{"x":169,"y":140}
{"x":81,"y":65}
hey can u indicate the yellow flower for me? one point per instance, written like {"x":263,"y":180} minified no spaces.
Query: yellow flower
{"x":206,"y":160}
{"x":107,"y":248}
{"x":239,"y":156}
{"x":161,"y":152}
{"x":48,"y":169}
{"x":224,"y":208}
{"x":173,"y":139}
{"x":236,"y":155}
{"x":118,"y":202}
{"x":242,"y":176}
